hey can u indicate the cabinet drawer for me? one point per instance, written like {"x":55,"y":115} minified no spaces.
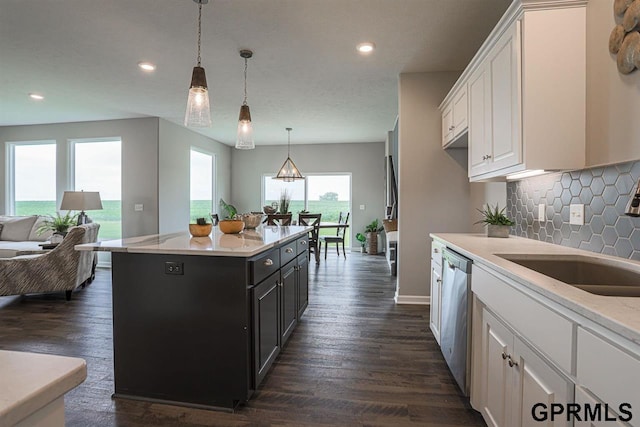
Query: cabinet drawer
{"x":288,"y":252}
{"x":302,"y":244}
{"x":607,"y":371}
{"x":265,"y":265}
{"x":528,"y":317}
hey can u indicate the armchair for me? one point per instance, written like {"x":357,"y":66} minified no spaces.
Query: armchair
{"x":61,"y":269}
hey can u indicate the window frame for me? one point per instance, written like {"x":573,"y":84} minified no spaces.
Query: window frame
{"x":10,"y":168}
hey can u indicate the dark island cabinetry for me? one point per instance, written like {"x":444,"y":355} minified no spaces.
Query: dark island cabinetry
{"x":206,"y":334}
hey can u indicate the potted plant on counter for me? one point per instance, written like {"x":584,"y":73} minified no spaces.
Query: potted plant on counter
{"x":285,"y":200}
{"x":498,"y":224}
{"x":201,"y":228}
{"x":231,"y":224}
{"x":58,"y":224}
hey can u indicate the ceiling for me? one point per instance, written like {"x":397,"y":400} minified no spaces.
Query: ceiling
{"x":305,"y":73}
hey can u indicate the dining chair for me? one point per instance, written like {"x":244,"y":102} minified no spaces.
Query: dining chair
{"x":338,"y":238}
{"x":279,"y":219}
{"x":314,"y":221}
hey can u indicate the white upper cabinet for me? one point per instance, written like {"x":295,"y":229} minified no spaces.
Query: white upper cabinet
{"x":454,"y":118}
{"x":526,"y":92}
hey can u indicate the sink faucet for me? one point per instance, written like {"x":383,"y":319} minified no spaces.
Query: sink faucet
{"x":633,"y":207}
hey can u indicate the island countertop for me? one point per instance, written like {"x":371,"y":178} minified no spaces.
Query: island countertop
{"x":244,"y":244}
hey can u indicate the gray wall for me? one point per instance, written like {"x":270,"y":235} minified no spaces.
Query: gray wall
{"x":175,"y":144}
{"x":433,"y":187}
{"x":365,"y":162}
{"x":139,"y":163}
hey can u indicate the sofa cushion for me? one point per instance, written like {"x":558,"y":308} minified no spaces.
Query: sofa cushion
{"x":34,"y":236}
{"x":17,"y":228}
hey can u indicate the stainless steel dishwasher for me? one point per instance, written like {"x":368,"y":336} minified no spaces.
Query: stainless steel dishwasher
{"x":455,"y":334}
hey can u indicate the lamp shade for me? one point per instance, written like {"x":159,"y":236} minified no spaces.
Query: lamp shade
{"x":81,"y":201}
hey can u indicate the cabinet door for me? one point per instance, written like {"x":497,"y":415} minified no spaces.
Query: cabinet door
{"x":266,"y":325}
{"x":289,"y":302}
{"x":479,"y":121}
{"x":498,"y":376}
{"x":436,"y":300}
{"x":583,"y":398}
{"x":506,"y":146}
{"x":537,"y":383}
{"x":447,"y":124}
{"x":303,"y":283}
{"x":459,"y":112}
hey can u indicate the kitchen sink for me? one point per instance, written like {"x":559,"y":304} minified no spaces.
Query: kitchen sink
{"x":600,"y":277}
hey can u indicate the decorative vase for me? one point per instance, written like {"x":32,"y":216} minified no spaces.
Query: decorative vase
{"x":57,"y":237}
{"x":231,"y":226}
{"x":498,"y":230}
{"x":372,"y":243}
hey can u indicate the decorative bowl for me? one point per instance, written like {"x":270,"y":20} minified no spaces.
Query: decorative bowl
{"x":269,"y":210}
{"x":200,"y":230}
{"x":252,"y":220}
{"x":231,"y":226}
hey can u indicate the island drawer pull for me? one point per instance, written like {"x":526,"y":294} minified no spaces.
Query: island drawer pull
{"x":268,"y":262}
{"x":289,"y":250}
{"x":304,"y":242}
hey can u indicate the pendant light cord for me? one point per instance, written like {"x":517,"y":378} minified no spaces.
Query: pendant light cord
{"x":199,"y":29}
{"x":288,"y":143}
{"x":245,"y":82}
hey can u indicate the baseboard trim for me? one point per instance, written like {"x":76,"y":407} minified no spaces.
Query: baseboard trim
{"x":412,"y":299}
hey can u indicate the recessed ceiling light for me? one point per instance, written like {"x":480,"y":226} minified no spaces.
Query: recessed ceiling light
{"x":147,"y":66}
{"x":36,"y":96}
{"x":366,"y":47}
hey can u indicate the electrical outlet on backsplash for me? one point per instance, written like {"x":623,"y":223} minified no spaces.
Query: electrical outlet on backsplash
{"x":604,"y":191}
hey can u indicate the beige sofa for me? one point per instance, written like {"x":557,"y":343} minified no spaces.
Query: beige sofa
{"x":18,"y":235}
{"x":60,"y":269}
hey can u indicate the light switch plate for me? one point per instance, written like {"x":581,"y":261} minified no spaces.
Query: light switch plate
{"x":576,"y":214}
{"x":541,"y":216}
{"x":138,"y":207}
{"x":361,"y":207}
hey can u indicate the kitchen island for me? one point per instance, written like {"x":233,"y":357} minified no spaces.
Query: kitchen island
{"x":198,"y":321}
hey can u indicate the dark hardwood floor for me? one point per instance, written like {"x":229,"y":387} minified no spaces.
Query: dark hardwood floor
{"x":355,"y":359}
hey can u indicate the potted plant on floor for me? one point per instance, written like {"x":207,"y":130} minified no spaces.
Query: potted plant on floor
{"x":371,"y":232}
{"x":498,"y":224}
{"x":362,"y":239}
{"x":59,"y":224}
{"x":231,"y":224}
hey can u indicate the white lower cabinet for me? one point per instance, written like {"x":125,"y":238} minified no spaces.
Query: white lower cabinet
{"x":519,"y":386}
{"x":592,"y":417}
{"x":435,"y":309}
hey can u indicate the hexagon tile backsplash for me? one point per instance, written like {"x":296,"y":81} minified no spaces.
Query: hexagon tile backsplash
{"x":604,"y":191}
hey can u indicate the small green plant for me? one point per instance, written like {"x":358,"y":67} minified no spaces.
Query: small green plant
{"x":361,"y":238}
{"x":201,"y":221}
{"x":374,"y":227}
{"x":58,"y":223}
{"x":230,"y":210}
{"x":494,"y":216}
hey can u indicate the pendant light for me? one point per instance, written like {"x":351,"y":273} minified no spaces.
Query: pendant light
{"x":245,"y":127}
{"x":288,"y":172}
{"x":198,"y":113}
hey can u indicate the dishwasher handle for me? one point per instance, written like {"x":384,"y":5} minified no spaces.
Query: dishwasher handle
{"x":457,"y":261}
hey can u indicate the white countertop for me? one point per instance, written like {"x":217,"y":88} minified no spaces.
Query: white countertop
{"x":619,"y":314}
{"x":244,"y":244}
{"x":29,"y":381}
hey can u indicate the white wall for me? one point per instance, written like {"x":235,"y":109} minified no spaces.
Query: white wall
{"x":365,"y":162}
{"x":433,"y":187}
{"x":139,"y":163}
{"x":613,"y":99}
{"x":175,"y":144}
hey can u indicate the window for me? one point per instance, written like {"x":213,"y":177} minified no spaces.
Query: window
{"x":328,"y":194}
{"x":96,"y":166}
{"x":202,"y":184}
{"x":31,"y":178}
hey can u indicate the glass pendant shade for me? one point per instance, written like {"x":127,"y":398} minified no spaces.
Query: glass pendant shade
{"x":245,"y":130}
{"x":198,"y":113}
